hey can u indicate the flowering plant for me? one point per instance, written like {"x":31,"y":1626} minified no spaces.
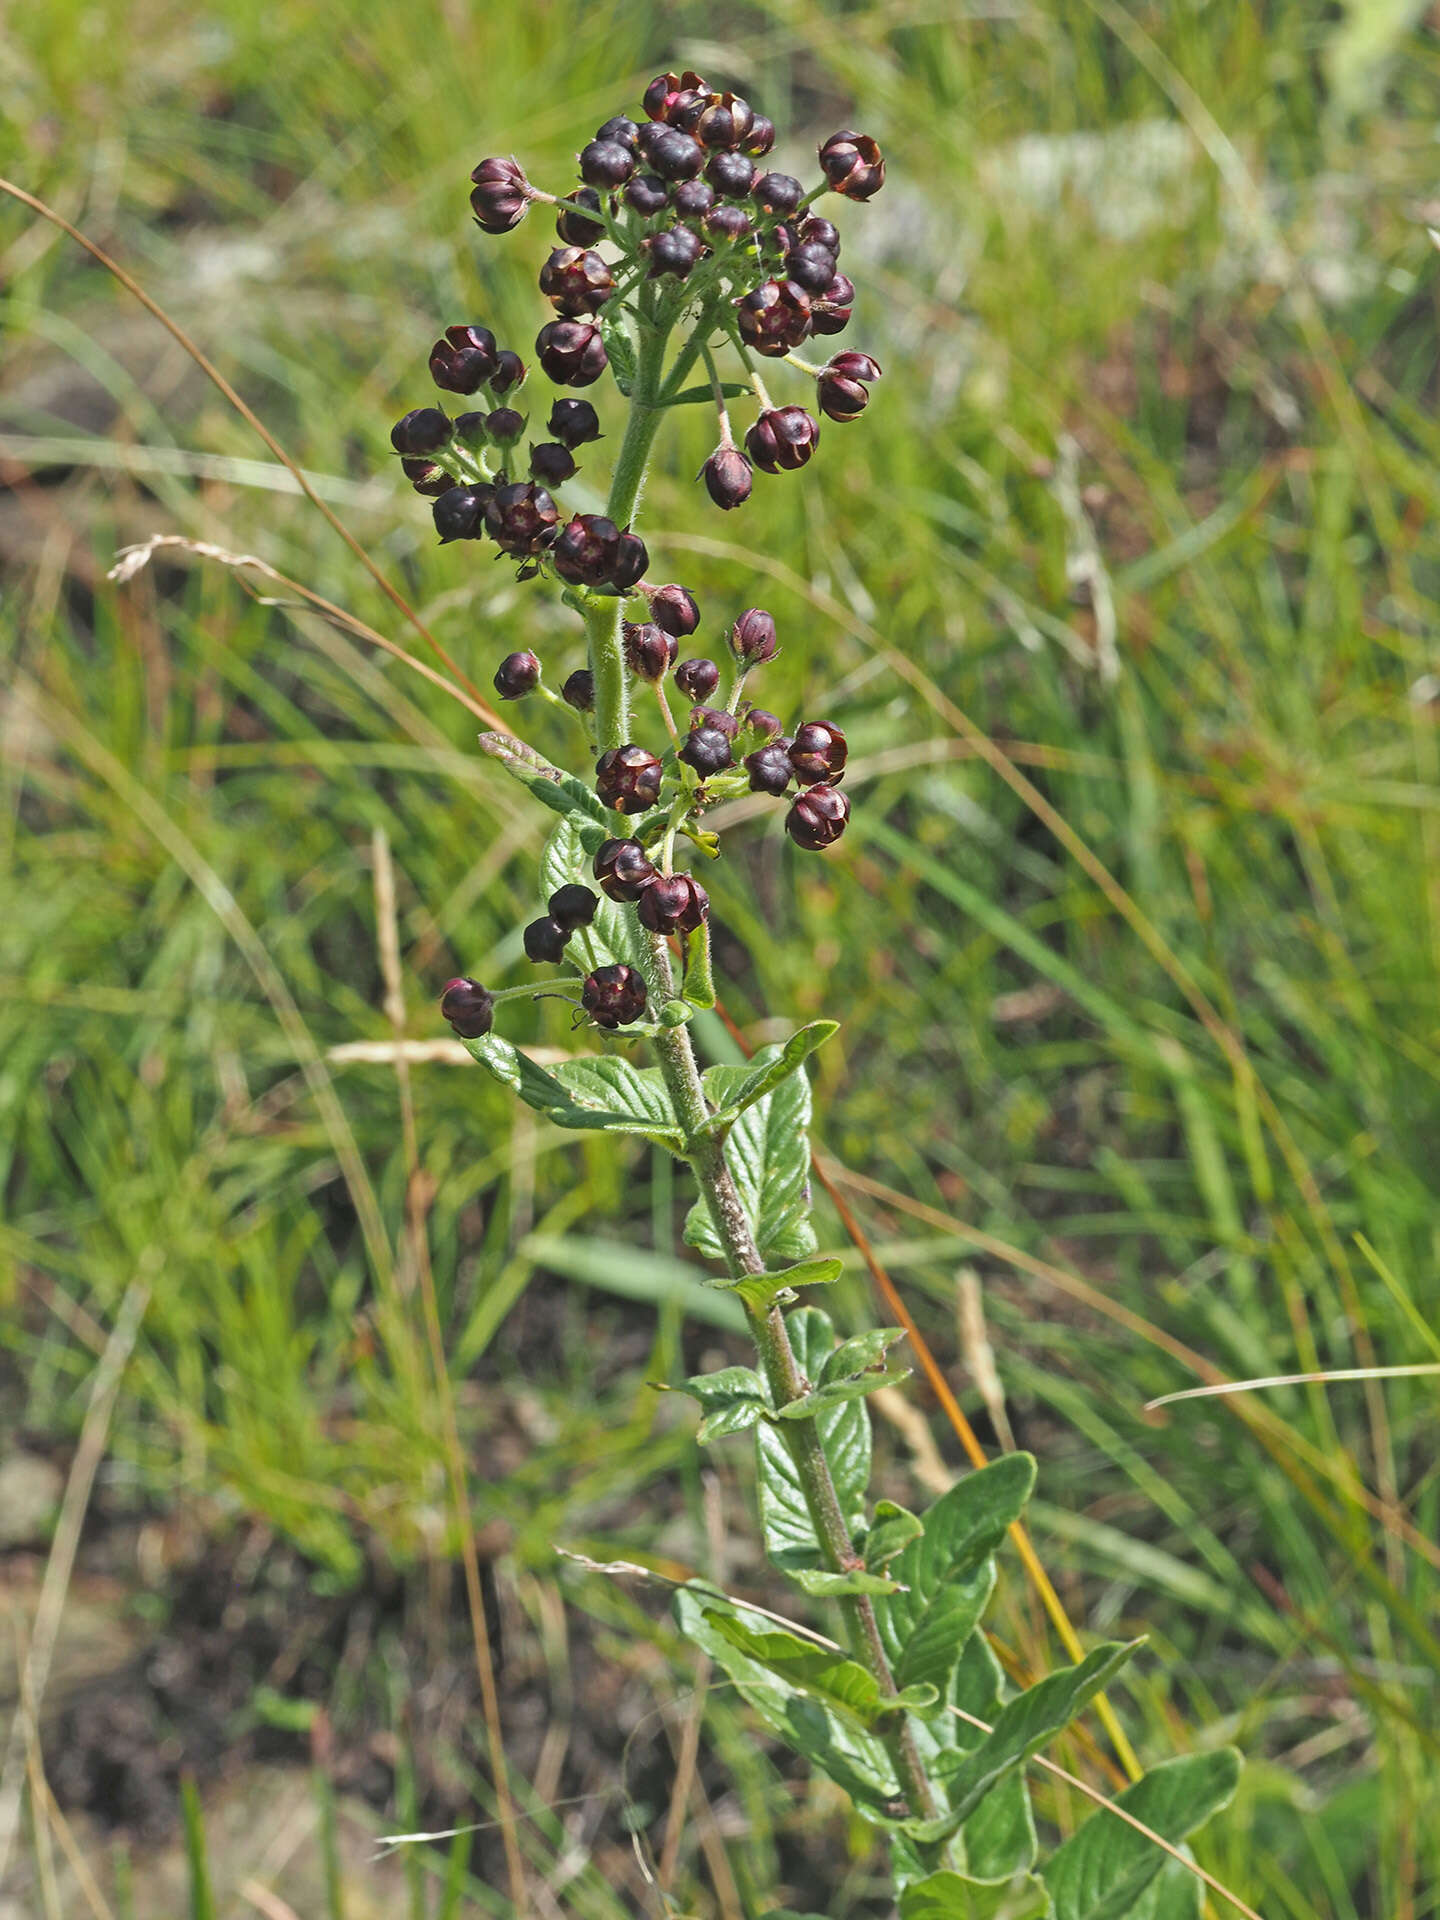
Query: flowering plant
{"x":677,"y":248}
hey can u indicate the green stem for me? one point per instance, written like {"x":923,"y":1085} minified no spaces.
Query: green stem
{"x":602,"y":623}
{"x":777,"y":1356}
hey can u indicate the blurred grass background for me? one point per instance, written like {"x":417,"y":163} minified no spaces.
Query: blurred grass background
{"x":1147,"y":492}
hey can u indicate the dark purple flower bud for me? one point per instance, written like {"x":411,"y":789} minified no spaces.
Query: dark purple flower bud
{"x":471,"y":429}
{"x":500,"y":196}
{"x":619,"y":130}
{"x":853,"y":165}
{"x":464,"y":359}
{"x":613,"y":996}
{"x":517,"y":675}
{"x":707,"y":750}
{"x":818,"y":752}
{"x":660,"y":95}
{"x":816,"y":231}
{"x":649,"y":650}
{"x":576,"y":281}
{"x":817,"y":817}
{"x":422,"y":430}
{"x":727,"y":477}
{"x":673,"y":608}
{"x":572,"y":906}
{"x":724,"y":122}
{"x":504,"y":426}
{"x":628,"y":778}
{"x":605,"y":163}
{"x":752,"y":638}
{"x":585,"y":550}
{"x":777,"y":193}
{"x":840,"y":389}
{"x":579,"y":690}
{"x":571,"y":352}
{"x":731,"y":174}
{"x":688,"y":105}
{"x":573,"y":226}
{"x":769,"y":768}
{"x":623,"y":869}
{"x":774,"y":318}
{"x":727,"y":224}
{"x":647,"y":194}
{"x":551,"y":464}
{"x":545,"y":940}
{"x":782,"y":439}
{"x":673,"y":903}
{"x":510,"y":371}
{"x":459,"y":514}
{"x":761,"y":137}
{"x":760,"y":722}
{"x":675,"y":156}
{"x":831,"y":313}
{"x":693,"y":198}
{"x":697,"y":679}
{"x":811,"y":267}
{"x":425,"y":477}
{"x":573,"y":422}
{"x":627,"y":568}
{"x":716,"y":718}
{"x":674,"y":250}
{"x":521,"y":517}
{"x":468,"y":1007}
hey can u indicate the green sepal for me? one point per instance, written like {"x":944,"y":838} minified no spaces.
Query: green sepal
{"x":732,"y":1400}
{"x":893,"y":1529}
{"x":825,"y":1585}
{"x":701,"y":837}
{"x":605,"y":1094}
{"x":770,"y":1066}
{"x":954,"y":1896}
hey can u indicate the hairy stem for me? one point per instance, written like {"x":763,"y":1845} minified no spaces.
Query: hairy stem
{"x":777,"y":1356}
{"x":707,"y":1152}
{"x":607,"y":659}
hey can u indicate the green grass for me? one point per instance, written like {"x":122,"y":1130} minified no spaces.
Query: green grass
{"x":1192,"y":239}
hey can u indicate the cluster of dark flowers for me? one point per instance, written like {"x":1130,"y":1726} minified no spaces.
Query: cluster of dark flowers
{"x":680,"y":196}
{"x":677,"y":221}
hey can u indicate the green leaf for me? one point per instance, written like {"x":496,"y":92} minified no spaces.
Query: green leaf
{"x":948,"y":1572}
{"x":1102,"y":1871}
{"x":841,"y":1686}
{"x":699,"y":981}
{"x":855,"y":1368}
{"x":999,"y":1837}
{"x":853,"y":1758}
{"x":825,"y":1585}
{"x":565,"y":859}
{"x":560,"y":791}
{"x":845,"y":1435}
{"x":1174,"y":1894}
{"x":954,"y":1896}
{"x":603,"y":1092}
{"x":767,"y":1069}
{"x":893,"y":1529}
{"x":1022,"y":1726}
{"x":768,"y":1153}
{"x":621,"y":349}
{"x":761,"y":1290}
{"x":732,"y":1399}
